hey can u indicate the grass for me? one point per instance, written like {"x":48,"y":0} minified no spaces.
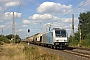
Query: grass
{"x":37,"y":53}
{"x":25,"y":52}
{"x":11,"y":52}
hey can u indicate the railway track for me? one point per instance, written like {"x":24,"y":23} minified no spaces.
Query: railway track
{"x":71,"y":53}
{"x":80,"y":54}
{"x":87,"y":49}
{"x":83,"y":52}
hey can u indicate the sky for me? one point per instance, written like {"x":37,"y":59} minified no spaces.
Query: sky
{"x":38,"y":15}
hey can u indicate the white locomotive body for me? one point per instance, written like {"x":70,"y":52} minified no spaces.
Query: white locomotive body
{"x":55,"y":38}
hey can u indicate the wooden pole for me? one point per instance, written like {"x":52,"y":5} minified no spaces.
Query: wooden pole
{"x":72,"y":25}
{"x":80,"y":38}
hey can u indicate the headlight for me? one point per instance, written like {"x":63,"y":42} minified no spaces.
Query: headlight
{"x":65,"y":40}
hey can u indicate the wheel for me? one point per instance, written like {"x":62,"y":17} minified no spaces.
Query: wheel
{"x":52,"y":47}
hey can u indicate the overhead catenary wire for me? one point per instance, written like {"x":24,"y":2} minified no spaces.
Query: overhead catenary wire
{"x":77,"y":8}
{"x":71,"y":11}
{"x":62,"y":16}
{"x":20,"y":5}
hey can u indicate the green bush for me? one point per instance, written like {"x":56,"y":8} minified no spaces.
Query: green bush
{"x":17,"y":41}
{"x":17,"y":38}
{"x":85,"y":43}
{"x":74,"y":43}
{"x":4,"y":39}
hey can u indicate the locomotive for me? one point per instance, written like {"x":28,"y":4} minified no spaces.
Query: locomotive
{"x":55,"y":38}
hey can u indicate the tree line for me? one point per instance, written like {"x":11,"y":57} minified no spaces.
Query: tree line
{"x":84,"y":25}
{"x":9,"y":39}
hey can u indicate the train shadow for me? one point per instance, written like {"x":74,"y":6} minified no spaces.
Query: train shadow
{"x":70,"y":48}
{"x":58,"y":48}
{"x":66,"y":48}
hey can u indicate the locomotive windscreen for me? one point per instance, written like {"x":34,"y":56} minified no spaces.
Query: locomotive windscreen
{"x":60,"y":33}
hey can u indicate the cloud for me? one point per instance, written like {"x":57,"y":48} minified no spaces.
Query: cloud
{"x":8,"y":26}
{"x":26,"y":22}
{"x":5,"y":4}
{"x":2,"y":26}
{"x":1,"y":8}
{"x":43,"y":17}
{"x":20,"y":29}
{"x":9,"y":15}
{"x":12,"y":4}
{"x":38,"y":18}
{"x":65,"y":23}
{"x":8,"y":3}
{"x":4,"y":1}
{"x":55,"y":21}
{"x":48,"y":24}
{"x":51,"y":7}
{"x":1,"y":11}
{"x":67,"y":20}
{"x":1,"y":20}
{"x":24,"y":26}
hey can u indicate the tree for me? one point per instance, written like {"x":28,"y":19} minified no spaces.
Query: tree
{"x":9,"y":36}
{"x":77,"y":36}
{"x":85,"y":29}
{"x":4,"y":39}
{"x":17,"y":38}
